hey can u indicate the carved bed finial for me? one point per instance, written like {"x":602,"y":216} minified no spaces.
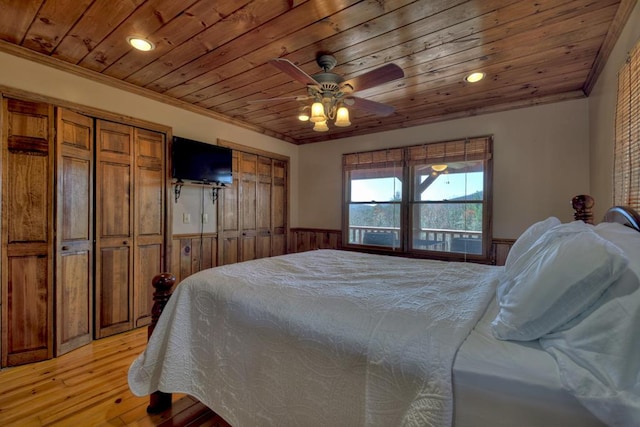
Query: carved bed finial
{"x":583,"y":205}
{"x":163,"y":283}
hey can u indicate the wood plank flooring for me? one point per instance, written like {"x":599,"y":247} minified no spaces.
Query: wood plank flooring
{"x":88,"y":387}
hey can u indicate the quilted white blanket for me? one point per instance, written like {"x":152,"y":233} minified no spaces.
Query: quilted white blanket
{"x":318,"y":338}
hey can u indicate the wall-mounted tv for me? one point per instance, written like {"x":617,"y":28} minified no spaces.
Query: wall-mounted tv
{"x":200,"y":162}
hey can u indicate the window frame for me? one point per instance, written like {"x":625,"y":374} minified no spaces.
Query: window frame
{"x":626,"y":167}
{"x":406,"y":158}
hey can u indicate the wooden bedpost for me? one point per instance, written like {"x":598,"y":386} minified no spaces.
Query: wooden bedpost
{"x":583,"y":205}
{"x":163,"y":283}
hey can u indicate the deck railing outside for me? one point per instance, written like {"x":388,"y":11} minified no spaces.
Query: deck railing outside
{"x":444,"y":240}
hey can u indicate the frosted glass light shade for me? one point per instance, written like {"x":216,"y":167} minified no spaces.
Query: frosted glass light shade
{"x":303,"y":115}
{"x":317,"y":113}
{"x":321,"y":126}
{"x":342,"y":117}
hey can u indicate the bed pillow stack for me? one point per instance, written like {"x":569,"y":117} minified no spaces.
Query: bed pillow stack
{"x":597,"y":352}
{"x":553,"y":273}
{"x":528,"y":238}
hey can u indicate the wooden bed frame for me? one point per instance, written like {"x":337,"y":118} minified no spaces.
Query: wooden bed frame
{"x":164,"y":282}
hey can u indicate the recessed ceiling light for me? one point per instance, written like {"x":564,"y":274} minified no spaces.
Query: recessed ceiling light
{"x":140,"y":44}
{"x":474,"y":77}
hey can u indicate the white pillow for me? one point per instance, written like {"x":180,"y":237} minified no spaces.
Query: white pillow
{"x":626,"y":238}
{"x":528,"y":238}
{"x":562,"y":274}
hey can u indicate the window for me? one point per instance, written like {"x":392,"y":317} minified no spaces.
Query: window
{"x":429,"y":200}
{"x":375,"y":198}
{"x":626,"y":178}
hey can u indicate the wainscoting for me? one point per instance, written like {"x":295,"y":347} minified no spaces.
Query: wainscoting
{"x":308,"y":239}
{"x":191,"y":253}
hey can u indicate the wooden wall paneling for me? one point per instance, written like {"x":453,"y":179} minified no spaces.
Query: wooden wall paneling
{"x":500,"y":249}
{"x":189,"y":258}
{"x":114,"y":228}
{"x":308,"y":239}
{"x":149,"y":214}
{"x":27,"y":231}
{"x":74,"y":237}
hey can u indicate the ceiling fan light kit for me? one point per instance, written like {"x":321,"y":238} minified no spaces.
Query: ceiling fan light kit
{"x":331,"y":93}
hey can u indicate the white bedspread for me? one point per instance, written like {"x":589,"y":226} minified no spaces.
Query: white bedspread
{"x":318,"y":338}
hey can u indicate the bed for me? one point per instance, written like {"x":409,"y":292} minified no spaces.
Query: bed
{"x":345,"y":338}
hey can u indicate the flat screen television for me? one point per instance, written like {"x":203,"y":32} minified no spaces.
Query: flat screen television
{"x":200,"y":162}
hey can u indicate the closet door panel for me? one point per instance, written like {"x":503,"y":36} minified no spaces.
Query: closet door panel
{"x":248,"y":214}
{"x":114,"y":192}
{"x":148,"y":265}
{"x":229,"y":217}
{"x":27,"y":232}
{"x":28,"y":195}
{"x":74,"y":240}
{"x":279,"y":208}
{"x":114,"y":295}
{"x":150,"y":188}
{"x":114,"y":228}
{"x":149,"y":219}
{"x":263,"y":207}
{"x":28,"y":306}
{"x":74,"y":300}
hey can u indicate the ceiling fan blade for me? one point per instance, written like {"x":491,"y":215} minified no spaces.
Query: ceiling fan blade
{"x":281,"y":98}
{"x":293,"y":71}
{"x":376,"y":77}
{"x":370,"y":106}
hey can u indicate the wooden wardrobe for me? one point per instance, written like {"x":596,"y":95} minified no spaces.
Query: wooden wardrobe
{"x":252,"y":215}
{"x":83,"y":228}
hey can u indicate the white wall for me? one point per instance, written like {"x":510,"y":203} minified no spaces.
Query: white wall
{"x":541,"y":158}
{"x":602,"y":108}
{"x":19,"y":73}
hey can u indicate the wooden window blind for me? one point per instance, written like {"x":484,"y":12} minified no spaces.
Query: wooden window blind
{"x":626,"y":176}
{"x":392,"y":157}
{"x":478,"y":148}
{"x":450,"y":151}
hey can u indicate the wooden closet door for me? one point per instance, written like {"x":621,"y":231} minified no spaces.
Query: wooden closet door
{"x":279,"y":208}
{"x":149,"y":219}
{"x":229,"y":216}
{"x":263,"y":207}
{"x":114,"y":228}
{"x":27,"y":232}
{"x":74,"y":237}
{"x":248,"y":214}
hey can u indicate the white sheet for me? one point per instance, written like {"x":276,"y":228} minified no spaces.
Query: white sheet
{"x":598,"y":354}
{"x":318,"y":338}
{"x":506,"y":383}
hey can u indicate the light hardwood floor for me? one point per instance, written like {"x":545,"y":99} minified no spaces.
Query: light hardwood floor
{"x":88,"y":387}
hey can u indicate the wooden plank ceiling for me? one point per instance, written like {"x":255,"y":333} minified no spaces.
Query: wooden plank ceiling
{"x":212,"y":56}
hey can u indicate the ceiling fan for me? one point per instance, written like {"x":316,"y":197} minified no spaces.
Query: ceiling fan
{"x":331,"y":93}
